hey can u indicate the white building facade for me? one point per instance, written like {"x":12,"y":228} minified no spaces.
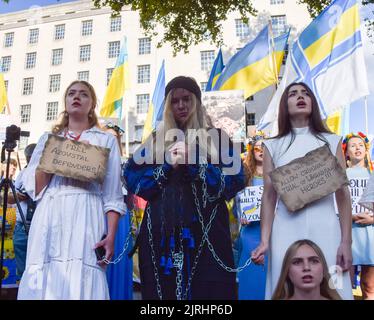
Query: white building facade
{"x":43,"y":49}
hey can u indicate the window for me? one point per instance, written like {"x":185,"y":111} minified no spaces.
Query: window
{"x":115,"y":24}
{"x":276,"y":1}
{"x":279,"y":25}
{"x":27,"y":87}
{"x":242,"y":29}
{"x":54,"y":82}
{"x":86,"y":28}
{"x":8,"y":40}
{"x":5,"y":63}
{"x":52,"y":110}
{"x":6,"y":84}
{"x":142,"y":103}
{"x":250,"y":119}
{"x":59,"y":31}
{"x":85,"y":53}
{"x":144,"y":46}
{"x":57,"y":56}
{"x":144,"y":73}
{"x":109,"y":72}
{"x":30,"y":60}
{"x":33,"y":36}
{"x":203,"y":86}
{"x":114,"y":48}
{"x":207,"y":59}
{"x":138,"y":133}
{"x":25,"y":112}
{"x":83,"y":75}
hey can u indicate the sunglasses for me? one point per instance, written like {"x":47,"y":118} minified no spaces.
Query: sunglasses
{"x":258,"y":149}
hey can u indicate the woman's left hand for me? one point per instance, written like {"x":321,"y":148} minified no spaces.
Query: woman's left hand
{"x":344,"y":256}
{"x":364,"y":219}
{"x":108,"y":244}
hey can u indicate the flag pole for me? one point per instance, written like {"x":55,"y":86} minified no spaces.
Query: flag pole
{"x":127,"y":132}
{"x":273,"y":55}
{"x":366,"y":116}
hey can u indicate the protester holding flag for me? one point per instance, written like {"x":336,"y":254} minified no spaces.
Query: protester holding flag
{"x":252,"y":279}
{"x":70,"y":218}
{"x":301,"y":130}
{"x":356,"y":150}
{"x":186,"y":194}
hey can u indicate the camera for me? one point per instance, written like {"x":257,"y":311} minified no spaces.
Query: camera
{"x":12,"y":134}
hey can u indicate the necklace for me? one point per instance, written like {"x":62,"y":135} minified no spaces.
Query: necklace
{"x":67,"y":134}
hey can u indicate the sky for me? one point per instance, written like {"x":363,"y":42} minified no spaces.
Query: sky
{"x":16,"y":5}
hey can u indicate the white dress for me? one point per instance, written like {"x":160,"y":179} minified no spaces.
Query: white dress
{"x":317,"y":222}
{"x":68,"y":221}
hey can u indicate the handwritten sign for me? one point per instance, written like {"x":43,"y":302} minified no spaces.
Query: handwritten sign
{"x":74,"y":159}
{"x":367,"y":198}
{"x":249,"y":203}
{"x":357,"y":187}
{"x":308,"y":178}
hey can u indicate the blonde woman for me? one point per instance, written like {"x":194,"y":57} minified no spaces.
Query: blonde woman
{"x":356,"y":149}
{"x":304,"y":274}
{"x":184,"y":198}
{"x":71,"y":215}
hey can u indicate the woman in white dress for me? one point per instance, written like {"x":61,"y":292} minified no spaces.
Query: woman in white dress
{"x":72,"y":216}
{"x":301,"y":130}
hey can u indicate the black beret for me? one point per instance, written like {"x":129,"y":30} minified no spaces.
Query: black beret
{"x":184,"y":83}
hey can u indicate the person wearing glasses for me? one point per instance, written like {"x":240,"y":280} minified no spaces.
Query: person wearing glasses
{"x":252,"y":279}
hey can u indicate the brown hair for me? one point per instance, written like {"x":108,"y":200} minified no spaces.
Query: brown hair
{"x":249,"y":163}
{"x":285,"y":288}
{"x":63,"y":122}
{"x":316,"y":123}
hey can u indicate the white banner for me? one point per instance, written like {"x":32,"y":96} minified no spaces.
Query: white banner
{"x":249,"y":203}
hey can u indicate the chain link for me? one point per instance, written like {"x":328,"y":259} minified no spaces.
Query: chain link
{"x":153,"y":255}
{"x":206,"y":230}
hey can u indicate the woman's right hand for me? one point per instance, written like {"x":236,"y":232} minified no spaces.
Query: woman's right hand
{"x":258,"y":255}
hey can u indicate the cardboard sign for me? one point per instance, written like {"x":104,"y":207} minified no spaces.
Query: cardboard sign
{"x":309,"y":178}
{"x":357,"y":187}
{"x":249,"y":203}
{"x":367,"y":198}
{"x":74,"y":159}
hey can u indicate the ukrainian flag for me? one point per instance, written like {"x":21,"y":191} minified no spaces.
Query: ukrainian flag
{"x":328,"y":52}
{"x":112,"y":104}
{"x":216,"y":71}
{"x":3,"y":94}
{"x":156,"y":106}
{"x":254,"y":67}
{"x":329,"y":58}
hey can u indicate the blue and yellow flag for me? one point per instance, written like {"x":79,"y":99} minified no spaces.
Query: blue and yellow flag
{"x":112,"y":104}
{"x":252,"y":68}
{"x":329,"y":52}
{"x":156,"y":106}
{"x":216,"y":71}
{"x":3,"y":94}
{"x":328,"y":57}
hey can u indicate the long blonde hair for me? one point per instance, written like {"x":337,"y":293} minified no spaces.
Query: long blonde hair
{"x":197,"y":120}
{"x":285,"y":288}
{"x":63,"y":121}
